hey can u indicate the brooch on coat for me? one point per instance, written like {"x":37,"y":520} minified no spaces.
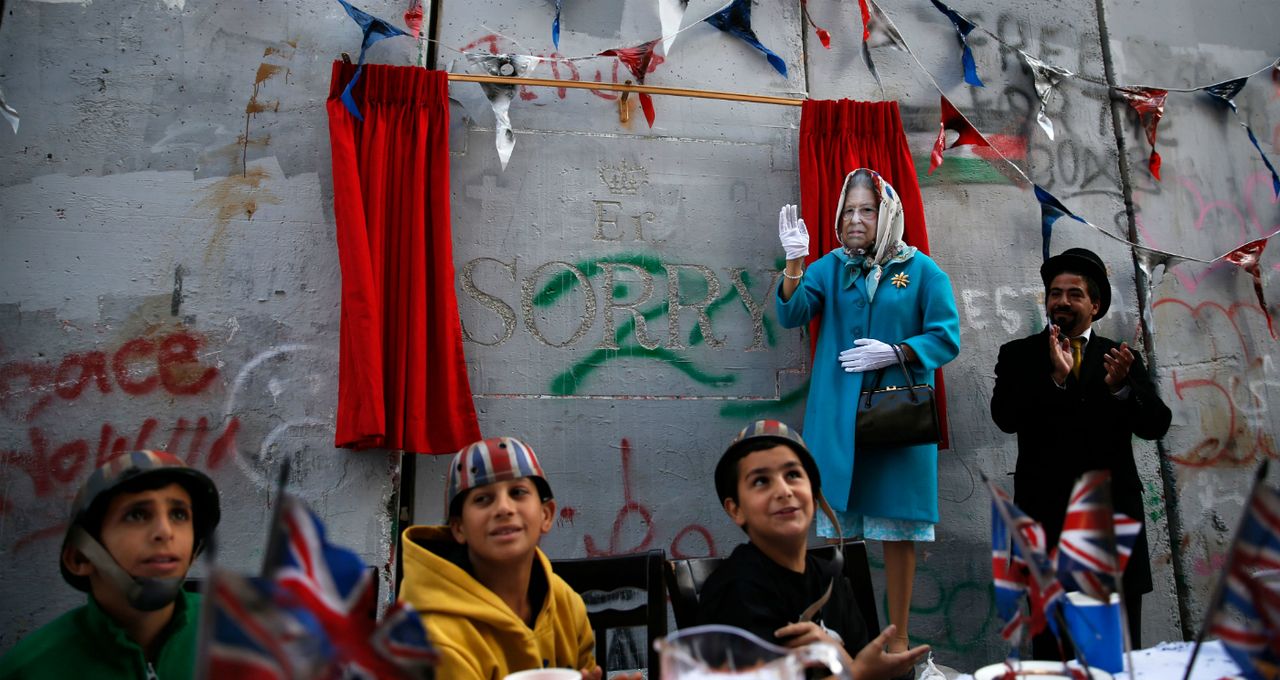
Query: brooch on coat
{"x":900,"y":280}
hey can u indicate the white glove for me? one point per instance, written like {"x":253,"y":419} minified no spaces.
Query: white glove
{"x":867,"y":354}
{"x":792,"y":233}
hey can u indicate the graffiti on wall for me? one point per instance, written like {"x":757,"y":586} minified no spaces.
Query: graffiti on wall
{"x":1230,"y":403}
{"x":37,"y":398}
{"x":633,"y":303}
{"x":691,"y":540}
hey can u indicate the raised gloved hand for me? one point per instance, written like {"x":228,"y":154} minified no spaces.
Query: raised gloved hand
{"x":867,"y":354}
{"x":792,"y":233}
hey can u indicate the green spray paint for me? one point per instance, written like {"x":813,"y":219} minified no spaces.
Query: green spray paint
{"x":752,"y":410}
{"x":569,"y":381}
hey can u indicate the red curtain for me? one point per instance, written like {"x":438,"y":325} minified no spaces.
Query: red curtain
{"x":836,"y":138}
{"x":402,"y":378}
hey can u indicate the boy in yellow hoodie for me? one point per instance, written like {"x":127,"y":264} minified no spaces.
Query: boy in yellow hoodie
{"x":490,"y":601}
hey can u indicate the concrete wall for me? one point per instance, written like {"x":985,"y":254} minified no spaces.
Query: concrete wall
{"x":170,"y":184}
{"x":1216,"y":360}
{"x":168,"y":274}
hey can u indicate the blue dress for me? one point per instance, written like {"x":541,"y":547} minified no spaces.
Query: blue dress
{"x":912,"y":304}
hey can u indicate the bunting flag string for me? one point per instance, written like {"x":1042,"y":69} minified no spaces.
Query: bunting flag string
{"x":878,"y":30}
{"x":736,"y":21}
{"x":1143,"y":253}
{"x":1149,"y":104}
{"x":665,"y":37}
{"x":638,"y":60}
{"x":1275,"y":63}
{"x":963,"y":28}
{"x":374,"y":29}
{"x":1147,"y":100}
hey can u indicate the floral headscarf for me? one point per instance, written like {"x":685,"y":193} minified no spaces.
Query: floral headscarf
{"x":889,"y":246}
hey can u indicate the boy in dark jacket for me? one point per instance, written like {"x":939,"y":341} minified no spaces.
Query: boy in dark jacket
{"x":769,"y":485}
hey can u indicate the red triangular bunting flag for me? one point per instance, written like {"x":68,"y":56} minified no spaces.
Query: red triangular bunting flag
{"x":639,"y":60}
{"x":823,"y":36}
{"x":1247,"y":256}
{"x":1148,"y":102}
{"x":866,"y":19}
{"x":952,"y":119}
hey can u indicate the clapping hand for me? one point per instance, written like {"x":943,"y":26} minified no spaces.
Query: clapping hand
{"x":1060,"y":354}
{"x":1117,"y":363}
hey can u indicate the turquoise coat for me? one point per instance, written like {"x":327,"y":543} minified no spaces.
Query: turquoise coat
{"x":889,"y":483}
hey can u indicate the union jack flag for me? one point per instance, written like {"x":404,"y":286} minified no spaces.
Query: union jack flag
{"x":312,"y":616}
{"x":251,"y":637}
{"x":333,"y":584}
{"x":1010,"y":570}
{"x":402,"y":637}
{"x":1010,"y":579}
{"x":1247,"y":618}
{"x":1096,"y":542}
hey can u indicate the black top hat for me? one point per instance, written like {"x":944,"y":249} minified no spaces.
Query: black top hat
{"x":1086,"y":263}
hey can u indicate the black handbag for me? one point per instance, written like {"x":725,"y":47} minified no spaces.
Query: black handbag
{"x":897,"y":416}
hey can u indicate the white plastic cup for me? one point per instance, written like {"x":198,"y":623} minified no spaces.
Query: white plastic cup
{"x":546,"y":674}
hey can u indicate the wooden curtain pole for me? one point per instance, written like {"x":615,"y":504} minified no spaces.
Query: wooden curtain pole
{"x":617,"y":87}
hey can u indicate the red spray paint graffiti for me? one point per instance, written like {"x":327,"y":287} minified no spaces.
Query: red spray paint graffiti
{"x":1231,"y":405}
{"x":153,"y":364}
{"x":139,"y":367}
{"x":1233,"y":410}
{"x":632,"y":507}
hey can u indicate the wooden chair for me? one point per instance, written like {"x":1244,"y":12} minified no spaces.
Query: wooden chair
{"x":626,"y":591}
{"x":686,"y":577}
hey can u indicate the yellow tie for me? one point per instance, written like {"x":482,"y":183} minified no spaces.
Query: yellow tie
{"x":1077,"y":356}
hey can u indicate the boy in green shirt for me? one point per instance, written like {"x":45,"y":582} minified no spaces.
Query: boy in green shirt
{"x":136,"y":525}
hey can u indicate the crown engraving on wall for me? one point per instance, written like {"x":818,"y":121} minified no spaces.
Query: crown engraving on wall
{"x":624,"y":179}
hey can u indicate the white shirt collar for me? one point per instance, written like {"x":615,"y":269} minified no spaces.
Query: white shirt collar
{"x":1087,"y":334}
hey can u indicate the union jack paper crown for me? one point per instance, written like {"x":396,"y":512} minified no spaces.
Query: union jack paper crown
{"x":499,"y":459}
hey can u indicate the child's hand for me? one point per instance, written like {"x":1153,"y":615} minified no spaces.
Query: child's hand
{"x":808,"y":632}
{"x":804,"y":633}
{"x":873,"y":663}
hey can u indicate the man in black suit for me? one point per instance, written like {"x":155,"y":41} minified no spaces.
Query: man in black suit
{"x":1075,"y":399}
